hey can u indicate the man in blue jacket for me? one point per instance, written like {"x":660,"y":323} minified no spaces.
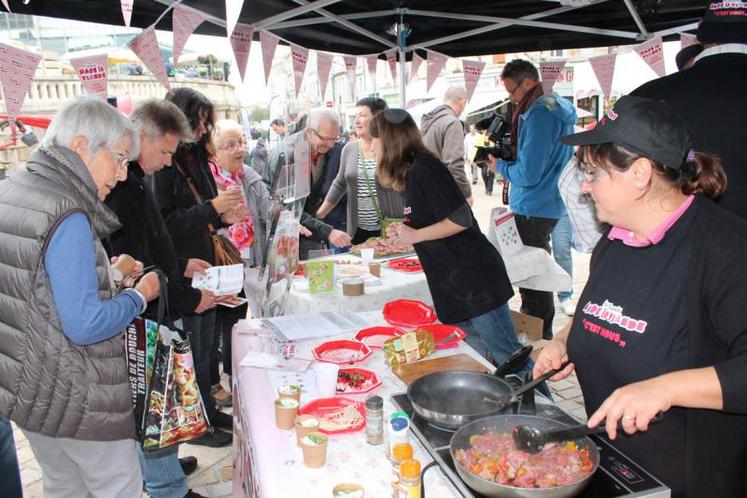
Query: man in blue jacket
{"x":538,"y":123}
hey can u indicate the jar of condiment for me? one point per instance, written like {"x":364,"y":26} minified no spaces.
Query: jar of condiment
{"x":400,"y":453}
{"x":374,"y":420}
{"x":409,"y":479}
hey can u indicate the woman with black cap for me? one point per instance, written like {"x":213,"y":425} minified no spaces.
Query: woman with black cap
{"x":660,"y":325}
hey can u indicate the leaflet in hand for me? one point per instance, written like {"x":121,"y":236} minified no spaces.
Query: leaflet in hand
{"x":220,"y":280}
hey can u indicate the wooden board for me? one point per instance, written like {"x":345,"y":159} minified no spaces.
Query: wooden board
{"x":409,"y":372}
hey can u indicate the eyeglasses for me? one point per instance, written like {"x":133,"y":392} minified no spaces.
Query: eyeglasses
{"x":518,"y":85}
{"x":325,"y":139}
{"x":120,"y":158}
{"x":591,"y":173}
{"x":232,"y":145}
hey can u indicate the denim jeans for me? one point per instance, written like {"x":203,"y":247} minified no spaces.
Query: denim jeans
{"x":493,"y":336}
{"x":162,"y":473}
{"x":10,"y":477}
{"x":200,"y":329}
{"x":562,"y":240}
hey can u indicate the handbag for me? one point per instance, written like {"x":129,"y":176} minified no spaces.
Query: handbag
{"x":384,"y":222}
{"x":225,"y":252}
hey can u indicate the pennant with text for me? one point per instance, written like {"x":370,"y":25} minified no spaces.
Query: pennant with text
{"x":687,"y":39}
{"x":145,"y":46}
{"x":300,"y":57}
{"x":93,"y":72}
{"x":391,"y":58}
{"x":5,"y":2}
{"x":17,"y":68}
{"x":323,"y":68}
{"x":472,"y":72}
{"x":371,"y":62}
{"x":652,"y":52}
{"x":241,"y":43}
{"x":414,"y":66}
{"x":233,"y":12}
{"x":436,"y":62}
{"x":604,"y":69}
{"x":351,"y":67}
{"x":550,"y":72}
{"x":126,"y":11}
{"x":269,"y":43}
{"x":184,"y":22}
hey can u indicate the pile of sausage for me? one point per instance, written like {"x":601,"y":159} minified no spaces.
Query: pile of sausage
{"x":385,"y":246}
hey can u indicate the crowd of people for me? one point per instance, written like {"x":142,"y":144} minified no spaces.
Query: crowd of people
{"x":656,"y":190}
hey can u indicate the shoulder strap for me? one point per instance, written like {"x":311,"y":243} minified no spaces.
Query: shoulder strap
{"x":193,"y":188}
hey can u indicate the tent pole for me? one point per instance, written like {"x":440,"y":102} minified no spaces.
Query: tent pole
{"x":401,"y":42}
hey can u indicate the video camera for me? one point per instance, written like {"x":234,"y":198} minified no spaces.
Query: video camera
{"x":499,"y":132}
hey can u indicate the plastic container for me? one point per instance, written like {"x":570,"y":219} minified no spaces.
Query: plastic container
{"x":397,"y":431}
{"x":409,"y":479}
{"x":374,"y":420}
{"x":400,"y":453}
{"x":409,"y":347}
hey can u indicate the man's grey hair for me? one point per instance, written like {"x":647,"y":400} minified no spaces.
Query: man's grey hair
{"x":455,"y":94}
{"x":222,"y":126}
{"x":158,"y":117}
{"x":99,"y":123}
{"x":319,"y":113}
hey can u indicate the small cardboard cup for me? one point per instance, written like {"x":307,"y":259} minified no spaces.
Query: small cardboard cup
{"x":285,"y":415}
{"x":346,"y":487}
{"x":314,"y":455}
{"x":374,"y":269}
{"x":302,"y":431}
{"x":296,"y":395}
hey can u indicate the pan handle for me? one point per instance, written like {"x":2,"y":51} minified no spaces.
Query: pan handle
{"x":516,"y":359}
{"x":539,"y":380}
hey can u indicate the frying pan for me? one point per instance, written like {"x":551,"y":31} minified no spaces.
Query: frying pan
{"x":453,"y":398}
{"x":504,"y":424}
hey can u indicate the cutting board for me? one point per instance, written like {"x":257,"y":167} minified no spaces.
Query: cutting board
{"x":409,"y":372}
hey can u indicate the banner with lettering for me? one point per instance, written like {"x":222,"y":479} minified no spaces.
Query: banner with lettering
{"x":604,"y":69}
{"x":687,"y":39}
{"x":17,"y":68}
{"x":414,"y":66}
{"x":300,"y":57}
{"x":323,"y":68}
{"x":93,"y":73}
{"x":652,"y":52}
{"x":269,"y":43}
{"x":126,"y":11}
{"x":233,"y":12}
{"x":184,"y":22}
{"x":145,"y":46}
{"x":391,"y":58}
{"x":550,"y":72}
{"x":241,"y":43}
{"x":351,"y":67}
{"x":436,"y":62}
{"x":472,"y":72}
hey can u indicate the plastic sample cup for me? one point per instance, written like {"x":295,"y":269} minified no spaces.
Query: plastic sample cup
{"x":326,"y":379}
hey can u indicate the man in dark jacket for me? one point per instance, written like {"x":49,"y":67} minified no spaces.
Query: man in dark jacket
{"x":144,"y":236}
{"x":711,"y":96}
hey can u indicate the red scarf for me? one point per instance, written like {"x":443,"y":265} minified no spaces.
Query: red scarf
{"x":241,"y":232}
{"x":524,"y":104}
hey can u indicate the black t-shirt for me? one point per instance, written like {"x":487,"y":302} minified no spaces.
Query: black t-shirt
{"x":465,"y":273}
{"x":631,"y":325}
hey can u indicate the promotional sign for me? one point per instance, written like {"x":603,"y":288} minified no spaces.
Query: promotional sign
{"x":323,"y":67}
{"x":126,"y":10}
{"x":436,"y":62}
{"x":472,"y":72}
{"x":391,"y":58}
{"x":241,"y":42}
{"x":604,"y":69}
{"x":351,"y":66}
{"x":269,"y":43}
{"x":414,"y":66}
{"x":652,"y":52}
{"x":17,"y":68}
{"x":184,"y":21}
{"x":92,"y":71}
{"x":550,"y":72}
{"x":300,"y":57}
{"x":145,"y":46}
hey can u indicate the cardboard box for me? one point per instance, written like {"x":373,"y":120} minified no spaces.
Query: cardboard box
{"x":529,"y":325}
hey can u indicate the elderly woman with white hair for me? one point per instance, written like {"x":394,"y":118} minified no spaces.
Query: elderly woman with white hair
{"x":63,"y":375}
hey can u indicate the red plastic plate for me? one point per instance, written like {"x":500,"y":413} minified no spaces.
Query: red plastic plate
{"x":343,"y":352}
{"x":441,"y":331}
{"x":374,"y":337}
{"x":408,"y":313}
{"x":410,"y":265}
{"x":370,"y":379}
{"x":327,"y":408}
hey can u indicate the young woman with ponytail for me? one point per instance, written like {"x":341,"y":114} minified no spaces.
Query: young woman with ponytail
{"x":661,"y":324}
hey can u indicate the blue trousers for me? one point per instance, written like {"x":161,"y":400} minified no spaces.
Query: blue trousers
{"x":562,"y":240}
{"x":10,"y":476}
{"x":162,"y":473}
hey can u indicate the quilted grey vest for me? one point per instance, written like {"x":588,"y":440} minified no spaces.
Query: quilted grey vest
{"x":48,"y":385}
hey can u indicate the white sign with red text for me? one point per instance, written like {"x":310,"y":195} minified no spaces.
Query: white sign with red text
{"x":436,"y":62}
{"x":472,"y":72}
{"x":93,"y":73}
{"x":241,"y":43}
{"x":652,"y":52}
{"x":184,"y":21}
{"x":550,"y":72}
{"x":300,"y":57}
{"x":145,"y":46}
{"x":269,"y":43}
{"x":17,"y":68}
{"x":323,"y":68}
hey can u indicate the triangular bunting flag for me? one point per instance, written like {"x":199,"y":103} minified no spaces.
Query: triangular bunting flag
{"x":550,"y":72}
{"x":269,"y":43}
{"x":391,"y":58}
{"x":184,"y":22}
{"x":414,"y":66}
{"x":241,"y":43}
{"x":5,"y":2}
{"x":687,"y":39}
{"x":472,"y":72}
{"x":371,"y":62}
{"x":604,"y":69}
{"x":351,"y":67}
{"x":233,"y":12}
{"x":300,"y":57}
{"x":436,"y":62}
{"x":323,"y":68}
{"x":126,"y":10}
{"x":93,"y":73}
{"x":17,"y":68}
{"x":652,"y":52}
{"x":145,"y":46}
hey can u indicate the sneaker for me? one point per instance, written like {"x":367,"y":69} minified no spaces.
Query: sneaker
{"x":188,"y":465}
{"x":215,"y":439}
{"x":567,"y":307}
{"x":222,"y":421}
{"x":223,"y":399}
{"x":192,"y":494}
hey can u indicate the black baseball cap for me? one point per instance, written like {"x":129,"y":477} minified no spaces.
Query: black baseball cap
{"x":724,"y":22}
{"x":651,"y":128}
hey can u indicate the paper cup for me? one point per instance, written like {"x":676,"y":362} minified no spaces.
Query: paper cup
{"x":326,"y":379}
{"x":314,"y":447}
{"x":367,"y":255}
{"x":124,"y":266}
{"x":288,"y":391}
{"x":305,"y":425}
{"x":286,"y":410}
{"x":348,"y":489}
{"x":374,"y":268}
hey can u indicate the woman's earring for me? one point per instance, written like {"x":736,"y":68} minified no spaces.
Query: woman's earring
{"x":640,"y":186}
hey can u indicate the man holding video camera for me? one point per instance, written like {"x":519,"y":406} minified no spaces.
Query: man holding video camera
{"x":538,"y":123}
